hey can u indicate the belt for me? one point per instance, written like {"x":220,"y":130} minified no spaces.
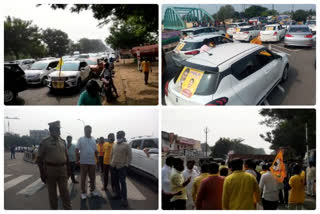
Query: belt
{"x":55,"y":164}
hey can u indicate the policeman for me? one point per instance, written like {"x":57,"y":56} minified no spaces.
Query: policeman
{"x":54,"y":166}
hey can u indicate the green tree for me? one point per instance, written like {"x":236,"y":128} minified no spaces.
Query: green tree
{"x":300,"y":15}
{"x":57,"y":42}
{"x":270,"y":13}
{"x":224,"y":145}
{"x":288,"y":129}
{"x":22,"y":39}
{"x":225,"y":12}
{"x":254,"y":11}
{"x":90,"y":45}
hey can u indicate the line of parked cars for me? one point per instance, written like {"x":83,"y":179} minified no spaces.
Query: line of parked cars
{"x":75,"y":71}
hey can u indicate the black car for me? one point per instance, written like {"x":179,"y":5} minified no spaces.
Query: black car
{"x":14,"y":82}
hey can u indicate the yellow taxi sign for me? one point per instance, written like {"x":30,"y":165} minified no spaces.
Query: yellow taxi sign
{"x":237,"y":29}
{"x":269,"y":28}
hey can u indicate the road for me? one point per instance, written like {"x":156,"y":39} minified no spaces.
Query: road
{"x":299,"y":89}
{"x":23,"y":190}
{"x":128,"y":81}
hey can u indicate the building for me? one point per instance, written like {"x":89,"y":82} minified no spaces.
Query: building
{"x":38,"y":135}
{"x":173,"y":142}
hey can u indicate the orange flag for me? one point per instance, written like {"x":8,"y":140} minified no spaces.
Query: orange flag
{"x":256,"y":40}
{"x":278,"y":168}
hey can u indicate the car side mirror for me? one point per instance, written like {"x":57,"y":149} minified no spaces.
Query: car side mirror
{"x":49,"y":68}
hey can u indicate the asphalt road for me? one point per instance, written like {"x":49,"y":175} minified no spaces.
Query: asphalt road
{"x":299,"y":89}
{"x":23,"y":190}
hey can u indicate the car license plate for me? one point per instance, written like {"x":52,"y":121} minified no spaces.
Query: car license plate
{"x":58,"y":84}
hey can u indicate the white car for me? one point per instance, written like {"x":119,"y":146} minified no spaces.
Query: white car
{"x":233,"y":74}
{"x":201,"y":30}
{"x":272,"y":33}
{"x":189,"y":47}
{"x":246,"y":33}
{"x":72,"y":75}
{"x":312,"y":25}
{"x":39,"y":71}
{"x":231,"y":28}
{"x":145,"y":155}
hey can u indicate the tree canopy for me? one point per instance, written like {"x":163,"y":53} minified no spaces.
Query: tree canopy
{"x":22,"y":39}
{"x":225,"y":12}
{"x":224,"y":145}
{"x":254,"y":11}
{"x":289,"y":129}
{"x":57,"y":42}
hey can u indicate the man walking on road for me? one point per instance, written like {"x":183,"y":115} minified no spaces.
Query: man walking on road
{"x":239,"y":189}
{"x":72,"y":158}
{"x":54,"y":166}
{"x":13,"y":151}
{"x":121,"y":156}
{"x":107,"y":148}
{"x":146,"y":68}
{"x":87,"y":152}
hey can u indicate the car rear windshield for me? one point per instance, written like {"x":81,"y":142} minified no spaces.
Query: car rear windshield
{"x":91,"y":62}
{"x":191,"y":46}
{"x":232,"y":26}
{"x":299,"y":30}
{"x":70,"y":67}
{"x":311,"y":22}
{"x":207,"y":84}
{"x":39,"y":66}
{"x":245,"y":29}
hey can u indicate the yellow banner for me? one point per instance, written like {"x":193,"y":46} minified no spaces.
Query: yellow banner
{"x":188,"y":81}
{"x":278,"y":168}
{"x":59,"y":64}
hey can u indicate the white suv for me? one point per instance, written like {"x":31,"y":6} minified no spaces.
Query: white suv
{"x":189,"y":47}
{"x":145,"y":155}
{"x":232,"y":28}
{"x":246,"y":33}
{"x":230,"y":74}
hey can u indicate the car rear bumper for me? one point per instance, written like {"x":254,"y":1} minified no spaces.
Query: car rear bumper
{"x":298,"y":42}
{"x":241,"y":37}
{"x":268,"y":38}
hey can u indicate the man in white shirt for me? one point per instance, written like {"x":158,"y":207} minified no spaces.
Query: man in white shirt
{"x":166,"y":188}
{"x":87,"y":154}
{"x":311,"y":178}
{"x":190,"y":172}
{"x":269,"y":187}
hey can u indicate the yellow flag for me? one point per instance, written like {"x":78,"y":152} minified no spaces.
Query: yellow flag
{"x":256,"y":40}
{"x":278,"y":168}
{"x":59,"y":64}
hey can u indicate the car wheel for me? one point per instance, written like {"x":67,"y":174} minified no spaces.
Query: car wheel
{"x":44,"y":81}
{"x":9,"y":96}
{"x":285,"y":73}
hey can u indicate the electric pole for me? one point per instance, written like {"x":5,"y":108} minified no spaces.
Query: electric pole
{"x":206,"y":130}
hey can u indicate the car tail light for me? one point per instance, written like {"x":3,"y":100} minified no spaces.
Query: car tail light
{"x":308,"y":36}
{"x":218,"y":102}
{"x":166,"y":88}
{"x":192,"y":52}
{"x":259,"y":33}
{"x":275,"y":33}
{"x":246,"y":32}
{"x":289,"y":35}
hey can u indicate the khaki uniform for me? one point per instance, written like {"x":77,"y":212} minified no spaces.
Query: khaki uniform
{"x":53,"y":155}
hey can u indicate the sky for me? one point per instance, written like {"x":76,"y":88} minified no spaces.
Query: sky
{"x":213,"y":8}
{"x":221,"y":122}
{"x":134,"y":121}
{"x":76,"y":25}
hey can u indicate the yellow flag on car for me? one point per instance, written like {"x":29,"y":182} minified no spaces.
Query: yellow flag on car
{"x":256,"y":40}
{"x":278,"y":168}
{"x":59,"y":66}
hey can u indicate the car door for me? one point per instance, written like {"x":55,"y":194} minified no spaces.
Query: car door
{"x":274,"y":65}
{"x":136,"y":153}
{"x":51,"y":67}
{"x":150,"y":163}
{"x":249,"y":81}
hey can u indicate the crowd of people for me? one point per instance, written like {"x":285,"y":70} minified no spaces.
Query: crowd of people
{"x":57,"y":160}
{"x":239,"y":185}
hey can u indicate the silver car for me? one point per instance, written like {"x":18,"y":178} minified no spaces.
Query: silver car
{"x":299,"y":35}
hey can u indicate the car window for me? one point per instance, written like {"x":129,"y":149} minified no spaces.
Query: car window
{"x":53,"y":64}
{"x":136,"y":144}
{"x":299,"y":29}
{"x":72,"y":66}
{"x":244,"y":67}
{"x":263,"y":57}
{"x":39,"y":66}
{"x":221,"y":40}
{"x":191,"y":46}
{"x":149,"y":144}
{"x":242,"y":24}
